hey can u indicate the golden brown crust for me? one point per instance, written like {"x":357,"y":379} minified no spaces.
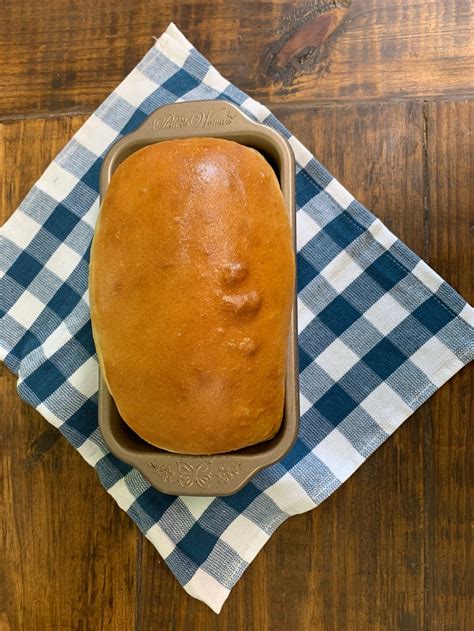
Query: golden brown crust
{"x":191,"y":287}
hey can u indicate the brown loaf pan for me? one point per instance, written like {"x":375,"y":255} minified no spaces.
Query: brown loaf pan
{"x":221,"y":474}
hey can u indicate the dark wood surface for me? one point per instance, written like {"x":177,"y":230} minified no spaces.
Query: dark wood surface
{"x":72,"y":53}
{"x":380,"y":90}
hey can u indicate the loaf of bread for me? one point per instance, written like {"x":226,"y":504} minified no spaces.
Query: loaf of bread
{"x":191,"y":288}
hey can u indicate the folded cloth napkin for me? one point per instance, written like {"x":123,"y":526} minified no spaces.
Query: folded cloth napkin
{"x":379,"y":331}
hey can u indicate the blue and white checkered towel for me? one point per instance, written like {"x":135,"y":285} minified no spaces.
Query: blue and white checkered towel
{"x":379,"y":331}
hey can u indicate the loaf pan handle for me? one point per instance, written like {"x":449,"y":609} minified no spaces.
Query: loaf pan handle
{"x":196,"y":118}
{"x":196,"y":475}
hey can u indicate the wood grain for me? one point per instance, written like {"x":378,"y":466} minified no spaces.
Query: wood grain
{"x":69,"y":55}
{"x":68,"y":553}
{"x":376,"y":150}
{"x":450,"y":154}
{"x":450,"y":146}
{"x":26,"y":149}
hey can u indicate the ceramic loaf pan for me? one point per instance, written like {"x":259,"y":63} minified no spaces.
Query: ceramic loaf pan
{"x":221,"y":474}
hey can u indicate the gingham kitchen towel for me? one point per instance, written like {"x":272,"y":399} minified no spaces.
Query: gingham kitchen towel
{"x":379,"y":331}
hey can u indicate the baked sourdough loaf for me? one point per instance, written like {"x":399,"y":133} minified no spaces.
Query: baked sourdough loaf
{"x":191,"y":288}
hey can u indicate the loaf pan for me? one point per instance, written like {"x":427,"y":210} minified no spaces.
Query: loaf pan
{"x":221,"y":474}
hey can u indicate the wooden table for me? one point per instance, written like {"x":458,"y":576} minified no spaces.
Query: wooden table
{"x":380,"y":90}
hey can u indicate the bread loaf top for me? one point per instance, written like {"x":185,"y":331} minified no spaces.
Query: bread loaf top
{"x":191,"y":288}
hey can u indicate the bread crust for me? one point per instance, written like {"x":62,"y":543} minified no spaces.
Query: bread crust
{"x":191,"y":288}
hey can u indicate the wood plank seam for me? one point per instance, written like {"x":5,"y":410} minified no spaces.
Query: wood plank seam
{"x":275,"y":106}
